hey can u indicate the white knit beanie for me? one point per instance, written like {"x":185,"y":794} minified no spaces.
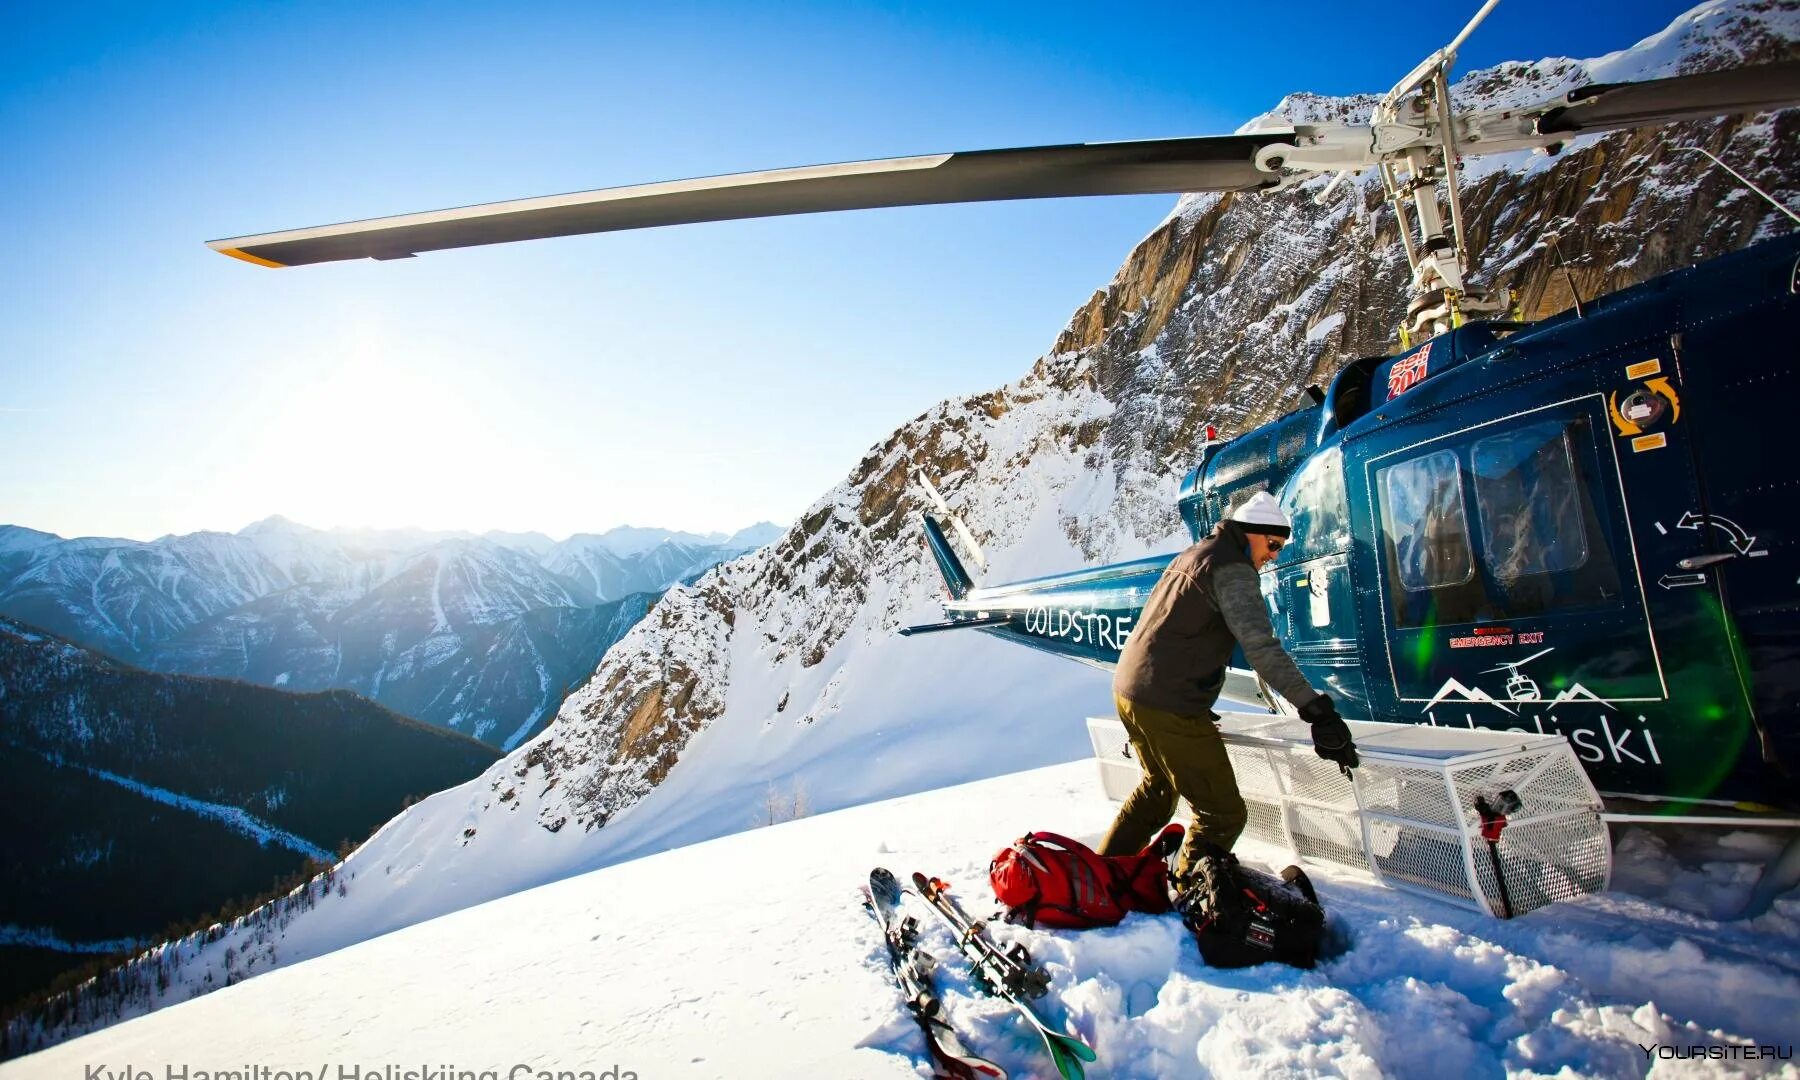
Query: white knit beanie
{"x":1262,"y":514}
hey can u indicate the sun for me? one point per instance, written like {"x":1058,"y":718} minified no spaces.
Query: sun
{"x":376,"y":441}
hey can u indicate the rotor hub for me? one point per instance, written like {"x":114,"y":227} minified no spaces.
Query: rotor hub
{"x":1440,"y":310}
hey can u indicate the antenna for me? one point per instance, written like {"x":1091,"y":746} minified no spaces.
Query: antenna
{"x":1550,"y":240}
{"x":1744,"y":180}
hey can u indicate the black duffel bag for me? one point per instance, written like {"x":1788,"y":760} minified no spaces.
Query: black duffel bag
{"x":1242,"y":916}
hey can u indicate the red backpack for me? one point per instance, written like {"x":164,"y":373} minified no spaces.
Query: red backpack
{"x":1052,"y":880}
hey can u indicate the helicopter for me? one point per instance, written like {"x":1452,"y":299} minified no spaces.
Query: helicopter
{"x":1496,"y":487}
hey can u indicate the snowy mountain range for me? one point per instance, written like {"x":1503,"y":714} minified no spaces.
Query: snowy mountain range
{"x":776,"y":681}
{"x":628,"y":560}
{"x":480,"y":634}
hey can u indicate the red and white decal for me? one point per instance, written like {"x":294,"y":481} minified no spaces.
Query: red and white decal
{"x":1409,"y":371}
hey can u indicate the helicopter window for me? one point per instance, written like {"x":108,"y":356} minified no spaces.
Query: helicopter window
{"x":1543,"y":544}
{"x":1315,"y":501}
{"x":1243,"y":458}
{"x":1296,"y":433}
{"x":1428,"y":532}
{"x":1529,"y":503}
{"x":1239,"y":471}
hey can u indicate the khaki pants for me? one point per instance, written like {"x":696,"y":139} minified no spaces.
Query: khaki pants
{"x":1183,"y":757}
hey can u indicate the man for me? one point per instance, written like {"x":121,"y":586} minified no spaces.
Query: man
{"x":1173,"y":667}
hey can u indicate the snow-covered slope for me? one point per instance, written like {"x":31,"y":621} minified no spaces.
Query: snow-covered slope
{"x":778,"y":679}
{"x":16,"y":539}
{"x":750,"y":956}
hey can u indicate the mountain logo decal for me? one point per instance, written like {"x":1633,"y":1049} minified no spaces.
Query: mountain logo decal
{"x":1453,"y":690}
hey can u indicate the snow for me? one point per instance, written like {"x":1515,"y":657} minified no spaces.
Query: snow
{"x":1325,"y":326}
{"x":749,"y":956}
{"x":15,"y":538}
{"x":18,"y":630}
{"x":36,"y":937}
{"x":235,"y":818}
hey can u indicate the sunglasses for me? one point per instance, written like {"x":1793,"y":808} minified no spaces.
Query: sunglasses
{"x":1275,"y":543}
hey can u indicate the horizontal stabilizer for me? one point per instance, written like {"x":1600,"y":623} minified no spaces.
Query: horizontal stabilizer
{"x":961,"y":624}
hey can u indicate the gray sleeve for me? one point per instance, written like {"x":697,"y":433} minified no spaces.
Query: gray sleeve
{"x":1240,"y":602}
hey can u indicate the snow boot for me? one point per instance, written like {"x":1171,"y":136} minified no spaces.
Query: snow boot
{"x":1240,"y":916}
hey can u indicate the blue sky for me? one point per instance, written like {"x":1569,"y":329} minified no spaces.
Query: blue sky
{"x":699,"y":377}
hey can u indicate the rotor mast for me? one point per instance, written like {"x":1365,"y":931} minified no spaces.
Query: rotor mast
{"x":1441,"y":260}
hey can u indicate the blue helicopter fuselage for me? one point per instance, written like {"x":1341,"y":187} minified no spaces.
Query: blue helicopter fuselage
{"x":1582,"y":526}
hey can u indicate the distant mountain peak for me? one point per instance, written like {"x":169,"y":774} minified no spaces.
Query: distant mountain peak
{"x":273,"y":524}
{"x":19,"y":538}
{"x":758,"y":535}
{"x":481,"y":634}
{"x":628,"y":540}
{"x":536,"y":544}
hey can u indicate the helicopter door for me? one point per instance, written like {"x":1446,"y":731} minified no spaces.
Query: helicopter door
{"x":1510,"y":595}
{"x":1313,"y":602}
{"x":1727,"y":545}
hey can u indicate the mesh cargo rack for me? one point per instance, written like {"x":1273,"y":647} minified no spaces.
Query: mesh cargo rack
{"x":1409,"y":817}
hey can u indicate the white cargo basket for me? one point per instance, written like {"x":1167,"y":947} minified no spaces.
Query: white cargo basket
{"x":1409,"y":817}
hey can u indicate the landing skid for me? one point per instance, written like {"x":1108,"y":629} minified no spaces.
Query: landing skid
{"x":1640,"y":810}
{"x":1779,"y":875}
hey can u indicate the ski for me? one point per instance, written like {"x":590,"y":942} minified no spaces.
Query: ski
{"x":912,"y":968}
{"x":1006,"y":972}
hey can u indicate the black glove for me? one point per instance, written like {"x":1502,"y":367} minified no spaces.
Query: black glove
{"x":1331,"y":736}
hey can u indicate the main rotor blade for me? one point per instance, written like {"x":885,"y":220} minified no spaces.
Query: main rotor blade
{"x":1158,"y":166}
{"x":1604,"y":106}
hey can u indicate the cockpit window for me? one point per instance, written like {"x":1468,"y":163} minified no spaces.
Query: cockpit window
{"x":1532,"y":541}
{"x":1529,"y":502}
{"x":1316,"y":502}
{"x":1422,"y":512}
